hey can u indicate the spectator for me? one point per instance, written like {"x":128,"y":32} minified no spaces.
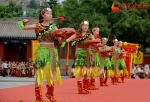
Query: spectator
{"x":146,"y":68}
{"x":4,"y":66}
{"x":8,"y":70}
{"x":1,"y":70}
{"x":141,"y":72}
{"x":71,"y":72}
{"x":32,"y":69}
{"x":133,"y":71}
{"x":149,"y":72}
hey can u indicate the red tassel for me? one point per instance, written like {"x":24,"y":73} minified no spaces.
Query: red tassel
{"x":61,"y":18}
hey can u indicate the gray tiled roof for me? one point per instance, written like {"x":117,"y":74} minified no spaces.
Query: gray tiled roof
{"x":10,"y":30}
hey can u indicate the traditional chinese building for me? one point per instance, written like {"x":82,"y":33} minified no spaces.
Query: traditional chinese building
{"x":17,"y":44}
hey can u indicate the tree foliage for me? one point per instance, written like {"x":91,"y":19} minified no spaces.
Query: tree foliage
{"x":15,"y":9}
{"x":128,"y":25}
{"x":11,"y":10}
{"x":31,"y":13}
{"x":32,"y":4}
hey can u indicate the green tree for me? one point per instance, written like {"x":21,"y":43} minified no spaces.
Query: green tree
{"x":15,"y":10}
{"x":32,"y":4}
{"x":131,"y":25}
{"x":3,"y":12}
{"x":76,"y":11}
{"x":31,"y":13}
{"x":69,"y":10}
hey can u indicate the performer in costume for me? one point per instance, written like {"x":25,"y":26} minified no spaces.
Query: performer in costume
{"x":83,"y":57}
{"x":47,"y":60}
{"x":13,"y":71}
{"x":105,"y":71}
{"x":114,"y":62}
{"x":95,"y":59}
{"x":122,"y":65}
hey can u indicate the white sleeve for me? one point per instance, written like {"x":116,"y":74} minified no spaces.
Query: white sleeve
{"x":139,"y":70}
{"x":72,"y":70}
{"x":2,"y":66}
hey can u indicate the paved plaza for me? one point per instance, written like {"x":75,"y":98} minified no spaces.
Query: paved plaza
{"x":8,"y":82}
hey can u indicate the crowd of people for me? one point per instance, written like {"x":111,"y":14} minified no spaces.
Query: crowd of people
{"x":140,"y":71}
{"x":18,"y":69}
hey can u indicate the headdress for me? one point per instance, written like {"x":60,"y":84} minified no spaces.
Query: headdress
{"x":95,"y":28}
{"x":84,"y":21}
{"x":120,"y":41}
{"x":46,"y":7}
{"x":115,"y":40}
{"x":105,"y":38}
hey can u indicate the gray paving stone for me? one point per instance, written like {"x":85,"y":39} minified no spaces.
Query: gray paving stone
{"x":8,"y":82}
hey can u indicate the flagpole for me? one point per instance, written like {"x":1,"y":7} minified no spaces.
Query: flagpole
{"x":67,"y":58}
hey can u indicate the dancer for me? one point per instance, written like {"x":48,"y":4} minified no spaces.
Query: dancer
{"x":83,"y":57}
{"x":122,"y":65}
{"x":95,"y":59}
{"x":47,"y":60}
{"x":114,"y":62}
{"x":105,"y":67}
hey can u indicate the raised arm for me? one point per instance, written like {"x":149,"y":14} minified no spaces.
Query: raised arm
{"x":28,"y":27}
{"x":60,"y":40}
{"x":92,"y":37}
{"x":71,"y":38}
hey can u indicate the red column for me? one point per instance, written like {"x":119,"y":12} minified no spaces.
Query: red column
{"x":29,"y":51}
{"x":2,"y":51}
{"x":128,"y":61}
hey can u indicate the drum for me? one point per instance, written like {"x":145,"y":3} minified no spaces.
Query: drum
{"x":100,"y":45}
{"x":122,"y":53}
{"x":106,"y":51}
{"x":96,"y":36}
{"x":91,"y":42}
{"x":64,"y":32}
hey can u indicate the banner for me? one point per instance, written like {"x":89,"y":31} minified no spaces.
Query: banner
{"x":35,"y":46}
{"x":131,"y":50}
{"x":138,"y":58}
{"x":130,"y":47}
{"x":128,"y":61}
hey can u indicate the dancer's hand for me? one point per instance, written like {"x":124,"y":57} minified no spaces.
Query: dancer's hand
{"x":25,"y":20}
{"x":68,"y":40}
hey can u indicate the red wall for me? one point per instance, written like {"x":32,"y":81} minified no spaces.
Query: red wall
{"x":146,"y":60}
{"x":2,"y":51}
{"x":29,"y":51}
{"x":12,"y":54}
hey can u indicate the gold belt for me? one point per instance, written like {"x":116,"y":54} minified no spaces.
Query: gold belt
{"x":48,"y":45}
{"x":82,"y":48}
